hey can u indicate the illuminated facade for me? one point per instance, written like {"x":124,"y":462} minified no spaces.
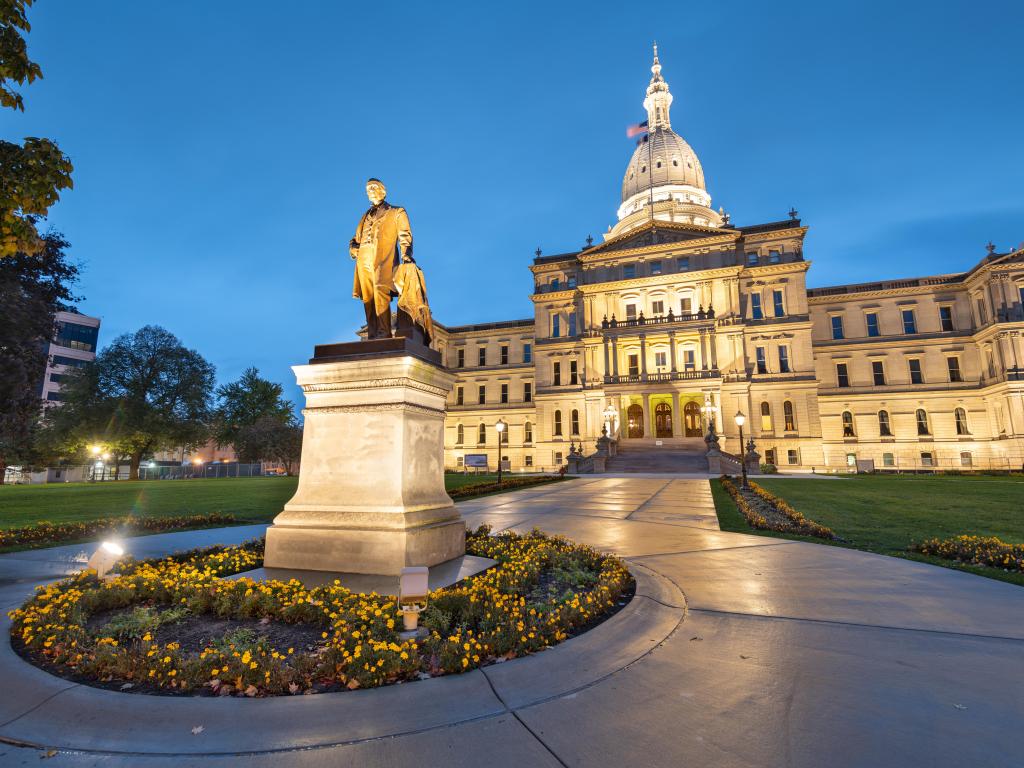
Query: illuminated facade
{"x":678,"y":315}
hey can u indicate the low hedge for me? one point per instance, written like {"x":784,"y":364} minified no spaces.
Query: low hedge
{"x":782,"y":518}
{"x":127,"y":632}
{"x":507,"y":484}
{"x":976,"y":550}
{"x":44,"y":534}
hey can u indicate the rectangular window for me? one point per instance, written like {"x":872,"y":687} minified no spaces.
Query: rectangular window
{"x":909,"y":323}
{"x":556,"y":323}
{"x":556,"y":374}
{"x":504,"y":354}
{"x":570,"y":281}
{"x":458,"y":461}
{"x":888,"y":460}
{"x":657,"y":307}
{"x":762,"y":360}
{"x":915,"y":371}
{"x":72,"y":361}
{"x":953,"y":364}
{"x":842,"y":375}
{"x":837,"y":327}
{"x":686,"y":305}
{"x":982,"y":313}
{"x":752,"y":259}
{"x":634,"y":365}
{"x":54,"y":396}
{"x":966,"y":460}
{"x":460,"y":396}
{"x":58,"y":377}
{"x":573,"y":373}
{"x":655,"y":267}
{"x":683,"y":264}
{"x":556,"y":285}
{"x":783,"y":359}
{"x":755,"y":306}
{"x":558,"y":458}
{"x":628,"y":271}
{"x":878,"y":372}
{"x":660,"y":359}
{"x":527,"y":353}
{"x":460,"y":358}
{"x":927,"y":459}
{"x":527,"y":392}
{"x":528,"y":433}
{"x":851,"y":459}
{"x":482,"y":394}
{"x":572,"y":324}
{"x":777,"y":305}
{"x":528,"y":461}
{"x":872,"y":321}
{"x":946,"y":318}
{"x":77,"y":336}
{"x":792,"y":456}
{"x":631,"y":311}
{"x":774,"y":257}
{"x":481,"y":356}
{"x":769,"y":456}
{"x":504,"y":393}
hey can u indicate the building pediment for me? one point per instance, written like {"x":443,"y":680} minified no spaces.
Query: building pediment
{"x":661,"y":233}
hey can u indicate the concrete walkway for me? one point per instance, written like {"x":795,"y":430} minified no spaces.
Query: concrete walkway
{"x":780,"y":654}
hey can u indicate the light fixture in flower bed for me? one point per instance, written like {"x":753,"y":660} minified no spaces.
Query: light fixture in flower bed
{"x":176,"y":626}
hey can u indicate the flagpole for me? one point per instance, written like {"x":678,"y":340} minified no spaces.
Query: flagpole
{"x":650,"y":164}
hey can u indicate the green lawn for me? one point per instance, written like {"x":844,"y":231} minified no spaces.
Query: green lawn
{"x":886,"y":513}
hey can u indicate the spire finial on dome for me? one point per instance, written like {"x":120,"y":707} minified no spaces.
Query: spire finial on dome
{"x":658,"y":98}
{"x":656,"y":66}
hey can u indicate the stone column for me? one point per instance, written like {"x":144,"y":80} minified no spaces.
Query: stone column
{"x":648,"y":417}
{"x":615,"y":356}
{"x":371,"y":495}
{"x":672,"y":348}
{"x":703,"y":349}
{"x":607,"y":372}
{"x":713,"y":341}
{"x":677,"y":416}
{"x":643,"y":357}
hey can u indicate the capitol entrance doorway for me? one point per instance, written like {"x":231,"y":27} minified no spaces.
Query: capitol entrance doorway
{"x":663,"y":420}
{"x":635,"y":421}
{"x":691,"y":419}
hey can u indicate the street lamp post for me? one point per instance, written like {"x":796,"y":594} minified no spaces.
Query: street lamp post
{"x":740,"y":421}
{"x":501,"y":426}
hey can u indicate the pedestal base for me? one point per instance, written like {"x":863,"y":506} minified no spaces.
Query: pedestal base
{"x":364,"y":550}
{"x":371,"y":495}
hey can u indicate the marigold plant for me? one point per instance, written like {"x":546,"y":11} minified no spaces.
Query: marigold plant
{"x":789,"y":520}
{"x":44,"y":533}
{"x":543,"y":589}
{"x":976,"y":550}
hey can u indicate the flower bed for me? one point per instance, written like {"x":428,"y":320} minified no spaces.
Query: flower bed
{"x":44,"y":534}
{"x":138,"y":631}
{"x":766,"y":511}
{"x":976,"y":550}
{"x":507,"y":484}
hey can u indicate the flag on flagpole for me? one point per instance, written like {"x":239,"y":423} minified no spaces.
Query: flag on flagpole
{"x":637,"y":129}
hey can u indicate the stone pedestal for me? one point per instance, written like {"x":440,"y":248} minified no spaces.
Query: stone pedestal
{"x":371,"y":496}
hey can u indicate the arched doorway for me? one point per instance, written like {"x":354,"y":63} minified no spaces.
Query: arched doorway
{"x":691,"y":419}
{"x":635,"y":421}
{"x":663,"y":420}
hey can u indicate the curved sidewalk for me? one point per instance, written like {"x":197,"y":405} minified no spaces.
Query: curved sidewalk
{"x":781,"y":653}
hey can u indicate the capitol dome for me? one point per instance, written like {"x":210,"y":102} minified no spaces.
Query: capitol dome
{"x":662,"y":158}
{"x":664,"y":180}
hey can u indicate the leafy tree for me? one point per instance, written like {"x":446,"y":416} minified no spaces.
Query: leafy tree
{"x":143,"y":393}
{"x":32,"y":174}
{"x":32,"y":289}
{"x":270,"y":439}
{"x":245,"y":402}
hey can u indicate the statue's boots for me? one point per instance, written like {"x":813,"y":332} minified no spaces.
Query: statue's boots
{"x":384,"y":324}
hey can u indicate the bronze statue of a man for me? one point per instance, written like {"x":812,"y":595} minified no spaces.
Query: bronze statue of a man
{"x":383,"y":239}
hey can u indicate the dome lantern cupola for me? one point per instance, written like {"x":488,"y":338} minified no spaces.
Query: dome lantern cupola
{"x":664,"y":180}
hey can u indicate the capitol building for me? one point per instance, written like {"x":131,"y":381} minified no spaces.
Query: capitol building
{"x":680,"y":316}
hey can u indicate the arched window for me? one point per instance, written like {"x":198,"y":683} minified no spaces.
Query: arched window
{"x":460,"y":435}
{"x":787,"y":412}
{"x":503,"y":435}
{"x":766,"y":417}
{"x":574,"y":422}
{"x":528,"y":433}
{"x":557,"y":431}
{"x":481,"y":434}
{"x":961,"y":421}
{"x":884,"y":427}
{"x":922,"y":422}
{"x":848,"y":425}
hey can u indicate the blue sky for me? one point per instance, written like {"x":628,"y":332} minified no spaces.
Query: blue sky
{"x":220,"y":148}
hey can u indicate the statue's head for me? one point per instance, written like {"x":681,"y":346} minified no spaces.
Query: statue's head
{"x":376,"y":191}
